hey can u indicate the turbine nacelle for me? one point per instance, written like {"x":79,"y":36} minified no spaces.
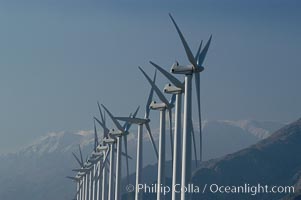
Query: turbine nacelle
{"x":97,"y":154}
{"x":179,"y":69}
{"x":170,"y":89}
{"x":88,"y":164}
{"x":133,"y":120}
{"x":95,"y":159}
{"x":157,"y":106}
{"x":189,"y":69}
{"x":83,"y":171}
{"x":101,"y":148}
{"x":81,"y":174}
{"x":109,"y":141}
{"x":118,"y":133}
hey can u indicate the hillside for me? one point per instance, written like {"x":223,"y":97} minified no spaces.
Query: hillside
{"x":275,"y":161}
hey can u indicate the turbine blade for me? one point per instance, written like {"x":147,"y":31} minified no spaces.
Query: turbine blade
{"x":150,"y":97}
{"x":136,"y":112}
{"x":117,"y":124}
{"x":197,"y":87}
{"x":202,"y":56}
{"x":77,"y":159}
{"x":186,"y":47}
{"x":172,"y":100}
{"x":72,"y":178}
{"x":198,"y":52}
{"x":126,"y":125}
{"x":170,"y":133}
{"x":151,"y":138}
{"x":105,"y":160}
{"x":81,"y":155}
{"x":80,"y":170}
{"x":128,"y":119}
{"x":170,"y":77}
{"x":126,"y":159}
{"x":157,"y":90}
{"x":101,"y":115}
{"x":126,"y":156}
{"x":194,"y":145}
{"x":104,"y":122}
{"x":129,"y":124}
{"x":106,"y":130}
{"x":95,"y":137}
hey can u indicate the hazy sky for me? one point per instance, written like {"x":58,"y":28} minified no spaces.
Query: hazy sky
{"x":58,"y":57}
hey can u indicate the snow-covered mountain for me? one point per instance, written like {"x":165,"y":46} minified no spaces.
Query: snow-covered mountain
{"x":38,"y":171}
{"x":61,"y":142}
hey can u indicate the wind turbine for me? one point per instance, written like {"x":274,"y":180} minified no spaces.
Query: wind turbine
{"x":165,"y":104}
{"x":178,"y":90}
{"x":122,"y":130}
{"x":195,"y":68}
{"x":85,"y":171}
{"x":82,"y":174}
{"x":111,"y":142}
{"x":77,"y":179}
{"x":88,"y":170}
{"x":97,"y":154}
{"x":109,"y":139}
{"x":168,"y":106}
{"x":104,"y":148}
{"x":91,"y":163}
{"x":140,"y":122}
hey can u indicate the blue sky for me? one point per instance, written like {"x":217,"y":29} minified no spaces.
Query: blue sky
{"x":57,"y":58}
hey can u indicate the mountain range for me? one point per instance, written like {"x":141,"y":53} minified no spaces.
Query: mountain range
{"x":38,"y":171}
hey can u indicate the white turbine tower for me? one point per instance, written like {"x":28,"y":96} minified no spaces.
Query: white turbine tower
{"x":77,"y":179}
{"x":105,"y":135}
{"x":97,"y":155}
{"x":86,"y":169}
{"x":165,"y":104}
{"x":80,"y":174}
{"x":111,"y":142}
{"x":178,"y":90}
{"x":195,"y":68}
{"x":94,"y":159}
{"x":122,"y":131}
{"x":140,"y":122}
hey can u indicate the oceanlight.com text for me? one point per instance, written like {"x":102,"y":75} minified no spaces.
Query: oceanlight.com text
{"x":213,"y":188}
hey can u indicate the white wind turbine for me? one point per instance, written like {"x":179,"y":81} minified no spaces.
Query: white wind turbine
{"x":178,"y":90}
{"x":78,"y":180}
{"x":122,"y":131}
{"x":82,"y":174}
{"x":162,"y":107}
{"x":106,"y":148}
{"x":195,"y":68}
{"x":88,"y":169}
{"x":85,"y":171}
{"x":140,"y":122}
{"x":111,"y":140}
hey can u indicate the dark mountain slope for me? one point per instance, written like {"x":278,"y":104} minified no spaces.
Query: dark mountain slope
{"x":275,"y":160}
